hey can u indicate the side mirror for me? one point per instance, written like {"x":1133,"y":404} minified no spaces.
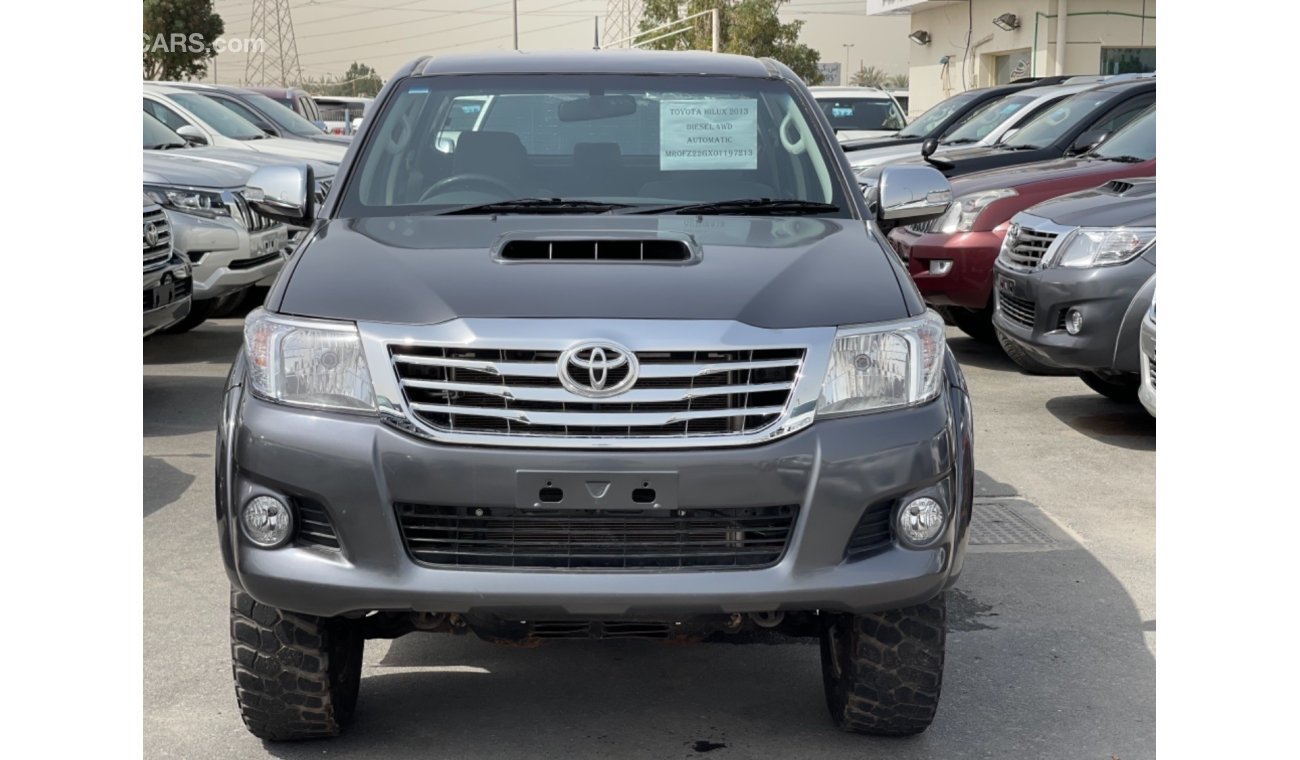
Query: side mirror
{"x":928,"y":147}
{"x":912,"y":194}
{"x":284,"y":193}
{"x":192,"y":135}
{"x":1088,"y":140}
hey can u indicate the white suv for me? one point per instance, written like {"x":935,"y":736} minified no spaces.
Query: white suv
{"x":860,"y":111}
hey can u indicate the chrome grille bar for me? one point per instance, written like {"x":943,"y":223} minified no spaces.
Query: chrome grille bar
{"x":593,"y":419}
{"x":560,"y":396}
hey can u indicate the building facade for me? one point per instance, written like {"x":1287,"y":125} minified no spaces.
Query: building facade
{"x":962,"y":44}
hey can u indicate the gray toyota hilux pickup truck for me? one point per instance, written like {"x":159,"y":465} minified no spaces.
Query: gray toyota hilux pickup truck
{"x":626,"y":358}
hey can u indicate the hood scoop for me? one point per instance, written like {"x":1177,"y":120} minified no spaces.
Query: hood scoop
{"x":598,"y":249}
{"x":1125,"y":187}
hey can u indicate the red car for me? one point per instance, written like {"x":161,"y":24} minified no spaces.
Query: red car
{"x":951,"y":258}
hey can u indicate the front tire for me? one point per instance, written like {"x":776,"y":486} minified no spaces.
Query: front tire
{"x":977,"y":323}
{"x":1120,"y":387}
{"x":296,"y":676}
{"x":882,"y":671}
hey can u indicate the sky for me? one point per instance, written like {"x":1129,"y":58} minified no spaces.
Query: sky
{"x":385,"y":34}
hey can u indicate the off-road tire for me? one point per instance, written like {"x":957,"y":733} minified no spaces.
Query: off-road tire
{"x":1122,"y":388}
{"x":199,"y":313}
{"x":977,"y":323}
{"x":296,"y":676}
{"x":882,"y":671}
{"x":1026,"y":362}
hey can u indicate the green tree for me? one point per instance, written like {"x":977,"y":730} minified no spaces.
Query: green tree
{"x":898,"y":81}
{"x":178,"y":37}
{"x":359,"y":80}
{"x":869,"y":76}
{"x":746,"y":27}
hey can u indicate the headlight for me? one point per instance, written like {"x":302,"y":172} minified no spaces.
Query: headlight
{"x":1103,"y":246}
{"x":207,"y":203}
{"x":307,"y":362}
{"x":884,"y":366}
{"x":961,"y":215}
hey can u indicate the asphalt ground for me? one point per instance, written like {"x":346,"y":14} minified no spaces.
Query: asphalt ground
{"x":1051,"y":651}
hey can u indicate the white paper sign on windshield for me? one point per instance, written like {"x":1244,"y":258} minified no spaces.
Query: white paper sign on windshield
{"x":708,"y":133}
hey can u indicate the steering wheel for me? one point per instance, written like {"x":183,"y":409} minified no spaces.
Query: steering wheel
{"x":482,"y":180}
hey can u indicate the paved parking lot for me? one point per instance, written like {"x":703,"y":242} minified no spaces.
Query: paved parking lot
{"x":1053,"y":623}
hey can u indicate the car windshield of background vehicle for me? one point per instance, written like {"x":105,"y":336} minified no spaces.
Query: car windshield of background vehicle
{"x":158,"y":137}
{"x":862,"y":113}
{"x":931,"y":119}
{"x":283,"y":117}
{"x":639,"y":141}
{"x":986,"y":118}
{"x":218,"y":117}
{"x":1137,"y":140}
{"x":1050,"y":125}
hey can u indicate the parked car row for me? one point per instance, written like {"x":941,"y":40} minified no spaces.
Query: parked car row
{"x":1048,"y":248}
{"x":195,"y":177}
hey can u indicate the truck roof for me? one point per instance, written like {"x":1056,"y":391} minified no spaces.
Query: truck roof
{"x":619,"y":61}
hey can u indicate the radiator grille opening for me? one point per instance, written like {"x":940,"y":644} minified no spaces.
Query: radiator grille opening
{"x":611,"y":540}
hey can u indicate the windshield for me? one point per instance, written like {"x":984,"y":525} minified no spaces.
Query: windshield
{"x":158,"y":137}
{"x":1136,"y":140}
{"x":284,"y":118}
{"x":448,"y":142}
{"x":1050,"y":125}
{"x":862,"y":113}
{"x":937,"y":115}
{"x":987,"y":118}
{"x":218,"y":117}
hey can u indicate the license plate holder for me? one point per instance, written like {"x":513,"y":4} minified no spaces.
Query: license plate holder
{"x":549,"y":489}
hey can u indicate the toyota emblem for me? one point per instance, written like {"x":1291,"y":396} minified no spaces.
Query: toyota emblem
{"x":150,"y":234}
{"x":598,"y":369}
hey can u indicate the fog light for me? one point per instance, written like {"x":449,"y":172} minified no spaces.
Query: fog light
{"x":920,"y":521}
{"x":1074,"y":321}
{"x":940,"y":267}
{"x":267,"y":521}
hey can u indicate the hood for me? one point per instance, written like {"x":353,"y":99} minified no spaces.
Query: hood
{"x":1060,"y":169}
{"x":855,"y":147}
{"x":955,"y":154}
{"x":857,"y":134}
{"x":766,"y":272}
{"x":215,"y":167}
{"x":1118,"y":203}
{"x":865,"y":159}
{"x":316,"y":151}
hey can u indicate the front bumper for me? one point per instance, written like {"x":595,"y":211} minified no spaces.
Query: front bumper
{"x":167,"y":294}
{"x":968,"y":282}
{"x":226,"y":256}
{"x":1112,"y":301}
{"x":357,"y":468}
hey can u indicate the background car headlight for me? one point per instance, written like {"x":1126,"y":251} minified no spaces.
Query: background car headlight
{"x":208,"y":203}
{"x":883,"y":366}
{"x":961,"y":215}
{"x":1103,"y":246}
{"x":307,"y":362}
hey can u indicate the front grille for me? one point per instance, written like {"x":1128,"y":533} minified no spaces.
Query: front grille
{"x":323,"y":190}
{"x":1017,"y":310}
{"x":873,"y":533}
{"x":166,"y":294}
{"x":568,"y":539}
{"x":518,"y":392}
{"x":314,"y":526}
{"x":157,"y":253}
{"x":253,"y":220}
{"x":921,"y":228}
{"x":595,"y":250}
{"x":1026,"y":248}
{"x":1151,"y":369}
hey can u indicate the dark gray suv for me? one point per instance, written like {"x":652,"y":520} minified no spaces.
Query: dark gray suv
{"x":593,"y":344}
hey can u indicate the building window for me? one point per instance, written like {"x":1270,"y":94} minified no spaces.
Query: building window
{"x":1008,"y":67}
{"x":1128,"y":60}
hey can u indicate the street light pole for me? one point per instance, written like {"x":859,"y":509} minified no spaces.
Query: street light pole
{"x":847,"y":47}
{"x":515,"y":7}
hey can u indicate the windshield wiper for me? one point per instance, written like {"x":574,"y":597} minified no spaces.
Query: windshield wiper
{"x":536,"y":205}
{"x":756,"y":206}
{"x":1022,"y":147}
{"x":959,"y":141}
{"x":1122,"y":159}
